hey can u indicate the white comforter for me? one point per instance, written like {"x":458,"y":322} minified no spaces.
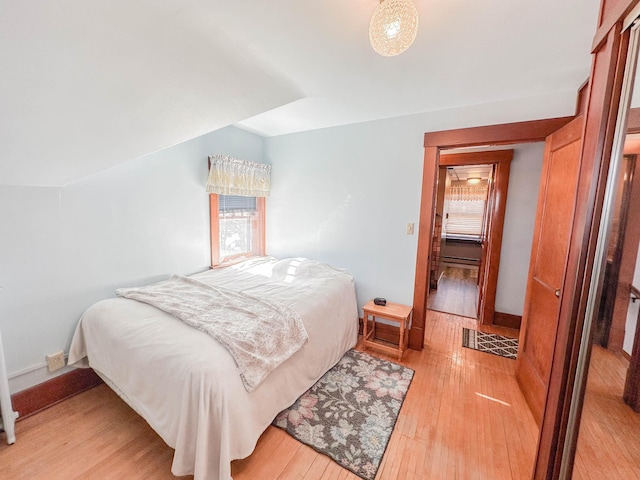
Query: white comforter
{"x":186,"y":385}
{"x":258,"y":333}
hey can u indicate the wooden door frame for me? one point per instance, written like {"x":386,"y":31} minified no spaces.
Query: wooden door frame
{"x":434,"y":143}
{"x":603,"y":99}
{"x":502,"y":160}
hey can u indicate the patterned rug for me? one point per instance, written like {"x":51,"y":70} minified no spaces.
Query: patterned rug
{"x":350,"y":412}
{"x":490,"y":343}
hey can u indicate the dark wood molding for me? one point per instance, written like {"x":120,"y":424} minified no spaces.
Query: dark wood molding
{"x":600,"y":119}
{"x":503,"y":134}
{"x":611,"y":12}
{"x":498,"y":201}
{"x":493,"y":245}
{"x":37,"y":398}
{"x":581,"y":100}
{"x":475,"y":158}
{"x":507,"y":320}
{"x":423,"y":260}
{"x":434,"y":142}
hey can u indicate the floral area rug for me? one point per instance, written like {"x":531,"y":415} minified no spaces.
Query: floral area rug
{"x":350,"y":412}
{"x":490,"y":343}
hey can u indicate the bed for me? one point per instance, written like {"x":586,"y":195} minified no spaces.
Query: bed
{"x":186,"y":385}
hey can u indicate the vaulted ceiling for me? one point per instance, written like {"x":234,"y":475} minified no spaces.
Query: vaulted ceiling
{"x":86,"y":85}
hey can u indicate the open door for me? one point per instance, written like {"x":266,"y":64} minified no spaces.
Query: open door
{"x":487,"y":231}
{"x":556,"y":203}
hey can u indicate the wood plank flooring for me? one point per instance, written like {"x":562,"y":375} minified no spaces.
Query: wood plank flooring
{"x":464,"y":418}
{"x":609,"y":438}
{"x":457,"y":292}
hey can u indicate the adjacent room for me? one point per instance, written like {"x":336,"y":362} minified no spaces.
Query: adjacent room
{"x":377,"y":240}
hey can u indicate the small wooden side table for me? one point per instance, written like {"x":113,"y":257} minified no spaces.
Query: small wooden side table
{"x":396,"y":312}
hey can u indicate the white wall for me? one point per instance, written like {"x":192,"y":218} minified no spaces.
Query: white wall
{"x":632,"y":313}
{"x":345,"y":194}
{"x":62,"y":249}
{"x":517,"y":237}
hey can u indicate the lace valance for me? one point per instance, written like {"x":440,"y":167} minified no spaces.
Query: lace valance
{"x":468,"y":193}
{"x":231,"y":176}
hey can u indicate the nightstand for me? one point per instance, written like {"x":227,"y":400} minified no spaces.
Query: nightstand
{"x":402,"y":314}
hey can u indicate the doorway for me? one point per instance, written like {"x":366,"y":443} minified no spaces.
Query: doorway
{"x":460,"y":232}
{"x":437,"y":142}
{"x":490,"y":242}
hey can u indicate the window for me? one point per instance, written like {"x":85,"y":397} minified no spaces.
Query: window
{"x":237,"y":191}
{"x":465,"y":215}
{"x":237,"y":227}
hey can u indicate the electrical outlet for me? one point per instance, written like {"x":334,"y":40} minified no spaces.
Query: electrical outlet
{"x":409,"y":228}
{"x":55,"y":361}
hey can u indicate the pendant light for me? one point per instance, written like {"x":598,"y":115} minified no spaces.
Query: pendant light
{"x":393,"y":27}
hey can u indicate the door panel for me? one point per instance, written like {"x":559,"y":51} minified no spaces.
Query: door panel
{"x":557,"y":215}
{"x":556,"y":202}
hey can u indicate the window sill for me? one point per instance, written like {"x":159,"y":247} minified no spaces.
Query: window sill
{"x":239,"y":258}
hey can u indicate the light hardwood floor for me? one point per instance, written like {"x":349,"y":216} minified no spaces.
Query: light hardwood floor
{"x":457,"y":292}
{"x":609,"y":439}
{"x":464,"y":418}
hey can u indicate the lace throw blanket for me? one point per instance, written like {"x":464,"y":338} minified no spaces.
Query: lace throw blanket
{"x":259,"y":334}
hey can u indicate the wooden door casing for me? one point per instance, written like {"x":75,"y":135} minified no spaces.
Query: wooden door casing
{"x":434,"y":142}
{"x":501,"y":162}
{"x":554,"y":216}
{"x":483,"y":268}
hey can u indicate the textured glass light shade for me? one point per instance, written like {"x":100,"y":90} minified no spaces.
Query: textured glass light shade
{"x":393,"y":27}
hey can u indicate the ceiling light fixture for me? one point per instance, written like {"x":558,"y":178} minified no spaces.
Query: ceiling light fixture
{"x":393,"y":27}
{"x":473,"y":180}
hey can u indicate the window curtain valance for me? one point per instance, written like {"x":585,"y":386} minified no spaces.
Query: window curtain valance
{"x":231,"y":176}
{"x":468,"y":193}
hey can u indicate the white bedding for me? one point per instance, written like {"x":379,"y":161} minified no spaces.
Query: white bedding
{"x":186,"y":385}
{"x":258,"y":333}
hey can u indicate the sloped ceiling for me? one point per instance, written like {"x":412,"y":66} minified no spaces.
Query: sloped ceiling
{"x":86,"y":85}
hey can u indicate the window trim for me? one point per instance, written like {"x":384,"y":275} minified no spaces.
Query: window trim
{"x":258,"y":228}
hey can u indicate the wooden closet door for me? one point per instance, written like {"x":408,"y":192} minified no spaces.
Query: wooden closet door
{"x":556,"y":203}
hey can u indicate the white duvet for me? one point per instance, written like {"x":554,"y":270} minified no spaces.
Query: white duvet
{"x":186,"y":385}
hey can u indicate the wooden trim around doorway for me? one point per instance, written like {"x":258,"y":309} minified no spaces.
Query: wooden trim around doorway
{"x":434,"y":142}
{"x":491,"y":260}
